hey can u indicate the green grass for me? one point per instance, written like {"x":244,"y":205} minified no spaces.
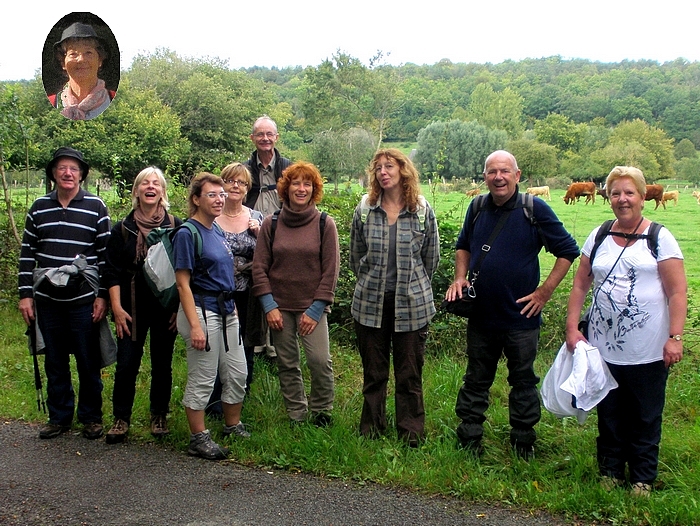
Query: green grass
{"x":563,"y":478}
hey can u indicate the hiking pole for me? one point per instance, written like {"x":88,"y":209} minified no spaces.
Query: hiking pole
{"x":31,"y":334}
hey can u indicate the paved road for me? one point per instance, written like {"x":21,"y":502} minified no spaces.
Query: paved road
{"x":71,"y":481}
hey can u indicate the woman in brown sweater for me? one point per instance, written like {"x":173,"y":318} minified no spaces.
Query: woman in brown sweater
{"x":295,"y":271}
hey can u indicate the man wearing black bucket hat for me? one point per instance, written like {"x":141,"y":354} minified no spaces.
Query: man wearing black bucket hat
{"x":81,"y":54}
{"x":61,"y":260}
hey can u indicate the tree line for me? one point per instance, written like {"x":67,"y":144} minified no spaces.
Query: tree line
{"x":563,"y":119}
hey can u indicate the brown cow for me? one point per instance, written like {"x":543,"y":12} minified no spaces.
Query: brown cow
{"x":474,"y":192}
{"x":576,"y":190}
{"x":655,"y":192}
{"x":602,"y":192}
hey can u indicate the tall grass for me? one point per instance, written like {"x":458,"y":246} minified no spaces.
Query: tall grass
{"x":562,"y":479}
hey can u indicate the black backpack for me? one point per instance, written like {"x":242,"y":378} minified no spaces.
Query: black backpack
{"x":652,"y":238}
{"x":525,"y":201}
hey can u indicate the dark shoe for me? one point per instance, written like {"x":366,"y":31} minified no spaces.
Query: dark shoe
{"x":50,"y":430}
{"x":525,"y":452}
{"x":201,"y":445}
{"x":159,"y":426}
{"x":238,"y":430}
{"x":92,"y":431}
{"x":322,"y":419}
{"x":118,"y":432}
{"x":473,"y":447}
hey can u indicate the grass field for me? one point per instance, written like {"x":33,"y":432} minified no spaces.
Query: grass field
{"x":563,"y":477}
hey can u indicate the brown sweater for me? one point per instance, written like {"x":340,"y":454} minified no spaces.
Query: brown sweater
{"x":298,"y":271}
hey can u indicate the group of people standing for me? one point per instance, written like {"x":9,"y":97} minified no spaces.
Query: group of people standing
{"x":257,"y":257}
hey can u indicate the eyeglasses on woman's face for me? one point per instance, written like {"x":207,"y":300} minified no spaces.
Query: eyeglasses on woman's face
{"x":214,"y":195}
{"x":237,"y":182}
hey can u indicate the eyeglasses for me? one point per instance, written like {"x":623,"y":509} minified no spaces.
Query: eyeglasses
{"x":262,"y":135}
{"x":67,"y":169}
{"x":241,"y":184}
{"x":214,"y":195}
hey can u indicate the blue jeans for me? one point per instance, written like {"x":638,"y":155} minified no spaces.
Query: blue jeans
{"x":129,"y":354}
{"x":68,"y":329}
{"x":484,"y":350}
{"x":629,"y":422}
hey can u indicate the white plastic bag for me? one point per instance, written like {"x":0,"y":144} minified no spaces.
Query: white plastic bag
{"x":556,"y":400}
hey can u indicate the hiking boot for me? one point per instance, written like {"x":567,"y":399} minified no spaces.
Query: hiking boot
{"x":472,"y":447}
{"x":238,"y":430}
{"x":92,"y":431}
{"x":640,"y":489}
{"x":525,"y":452}
{"x":159,"y":426}
{"x":201,"y":445}
{"x":118,"y":432}
{"x":322,"y":419}
{"x":609,"y":483}
{"x":50,"y":430}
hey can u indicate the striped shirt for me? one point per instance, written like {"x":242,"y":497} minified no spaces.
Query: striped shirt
{"x":54,"y":236}
{"x":417,"y":257}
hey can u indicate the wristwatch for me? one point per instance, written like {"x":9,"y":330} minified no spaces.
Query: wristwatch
{"x":676,"y":337}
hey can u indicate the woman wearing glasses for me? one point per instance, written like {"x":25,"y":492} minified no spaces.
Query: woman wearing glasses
{"x":240,"y":225}
{"x":207,"y":319}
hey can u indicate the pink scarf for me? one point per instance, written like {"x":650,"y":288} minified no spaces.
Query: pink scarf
{"x":75,"y":110}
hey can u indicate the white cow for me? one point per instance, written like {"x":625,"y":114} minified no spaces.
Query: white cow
{"x":541,"y":191}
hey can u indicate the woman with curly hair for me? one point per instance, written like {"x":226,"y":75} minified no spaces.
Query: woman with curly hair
{"x":295,"y":272}
{"x":394,"y":250}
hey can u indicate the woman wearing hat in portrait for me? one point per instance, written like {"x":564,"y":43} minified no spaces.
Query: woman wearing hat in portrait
{"x":81,"y":54}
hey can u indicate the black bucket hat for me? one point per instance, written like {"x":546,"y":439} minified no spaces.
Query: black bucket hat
{"x":79,"y":30}
{"x":66,"y":151}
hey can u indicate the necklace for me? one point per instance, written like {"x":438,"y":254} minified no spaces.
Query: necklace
{"x":234,"y":215}
{"x":630,"y":235}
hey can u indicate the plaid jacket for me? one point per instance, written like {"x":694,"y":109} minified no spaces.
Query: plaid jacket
{"x":417,"y":257}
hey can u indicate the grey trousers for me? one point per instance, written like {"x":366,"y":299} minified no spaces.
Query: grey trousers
{"x":318,"y":359}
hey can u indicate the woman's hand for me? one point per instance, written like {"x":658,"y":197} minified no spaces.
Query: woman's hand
{"x":306,"y":325}
{"x":197,"y":337}
{"x":121,"y":321}
{"x":673,"y":352}
{"x":274,"y":320}
{"x":254,"y":227}
{"x":172,"y":324}
{"x":572,"y":338}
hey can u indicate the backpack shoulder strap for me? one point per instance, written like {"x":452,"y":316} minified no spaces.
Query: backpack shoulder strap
{"x":273,"y":227}
{"x":195,"y":236}
{"x":653,"y":239}
{"x":603,"y":231}
{"x":364,"y":208}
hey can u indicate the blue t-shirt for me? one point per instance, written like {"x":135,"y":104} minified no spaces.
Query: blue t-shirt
{"x":215,"y":273}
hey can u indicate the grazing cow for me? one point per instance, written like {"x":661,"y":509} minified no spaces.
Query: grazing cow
{"x":655,"y":192}
{"x":670,"y":196}
{"x":474,"y":192}
{"x":541,"y":191}
{"x":602,"y":192}
{"x":576,"y":190}
{"x":696,"y":196}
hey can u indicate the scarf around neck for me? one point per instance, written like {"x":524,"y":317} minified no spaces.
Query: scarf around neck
{"x":75,"y":110}
{"x":145,"y":224}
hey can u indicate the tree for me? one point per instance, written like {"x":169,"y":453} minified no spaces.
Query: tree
{"x":685,"y":149}
{"x":653,"y":140}
{"x":464,"y":145}
{"x":501,"y":110}
{"x":345,"y":93}
{"x":559,"y":131}
{"x":537,"y":161}
{"x":342,"y":155}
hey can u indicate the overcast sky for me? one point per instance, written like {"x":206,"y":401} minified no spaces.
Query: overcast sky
{"x":305,"y":32}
